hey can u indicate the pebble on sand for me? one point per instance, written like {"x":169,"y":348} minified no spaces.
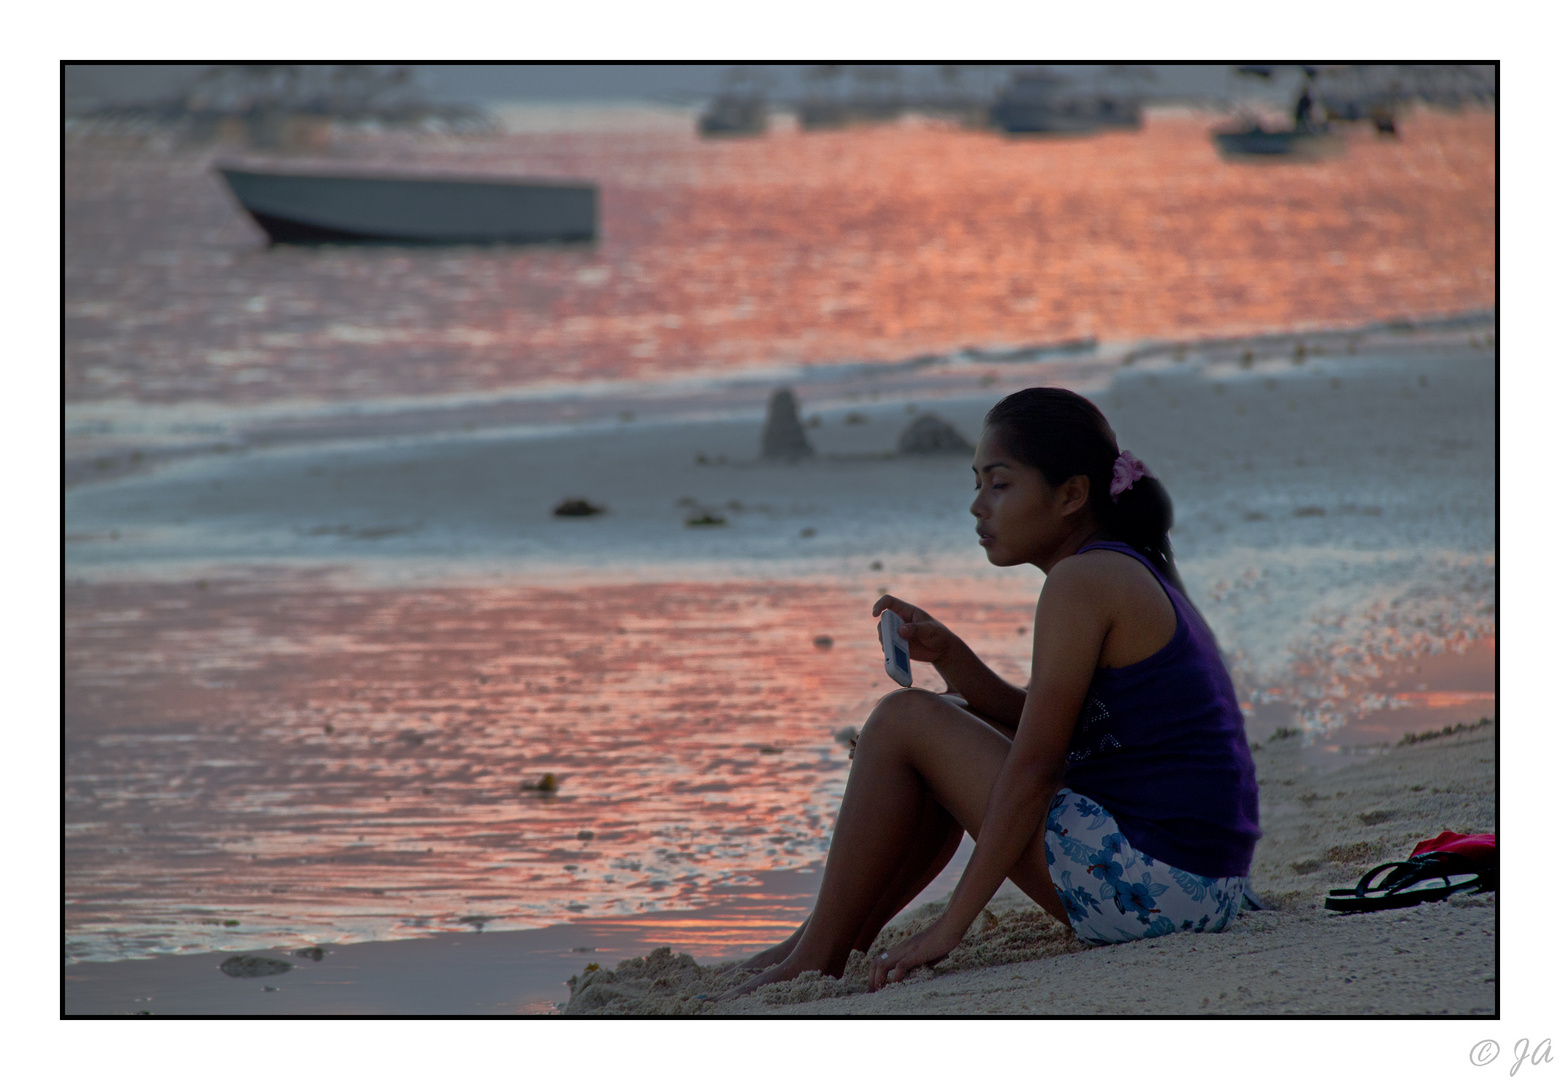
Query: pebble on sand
{"x":254,"y":967}
{"x":929,"y":434}
{"x":784,"y":437}
{"x":823,"y":641}
{"x":577,"y":508}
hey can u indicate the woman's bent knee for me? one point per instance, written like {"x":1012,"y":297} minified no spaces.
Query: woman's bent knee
{"x":899,"y":712}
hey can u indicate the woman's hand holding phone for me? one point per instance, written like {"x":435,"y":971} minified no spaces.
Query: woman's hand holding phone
{"x":928,"y":640}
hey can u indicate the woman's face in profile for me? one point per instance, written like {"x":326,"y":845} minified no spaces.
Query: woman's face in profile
{"x":1017,"y":514}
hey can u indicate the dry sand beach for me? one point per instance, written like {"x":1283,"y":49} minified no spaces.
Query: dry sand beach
{"x":1296,"y":958}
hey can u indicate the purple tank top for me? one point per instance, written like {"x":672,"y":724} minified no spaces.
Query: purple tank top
{"x":1161,"y":744}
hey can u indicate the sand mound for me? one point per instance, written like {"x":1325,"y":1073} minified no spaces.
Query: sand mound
{"x":1010,"y":930}
{"x":783,"y":435}
{"x":931,"y":434}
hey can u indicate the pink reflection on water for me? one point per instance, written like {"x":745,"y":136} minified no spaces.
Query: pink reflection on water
{"x":874,"y":243}
{"x":318,"y":763}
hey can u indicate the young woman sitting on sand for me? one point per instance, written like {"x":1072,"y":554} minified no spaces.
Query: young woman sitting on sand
{"x":1118,"y":792}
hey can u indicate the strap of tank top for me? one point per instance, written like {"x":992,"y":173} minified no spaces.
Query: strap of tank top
{"x":1128,"y":549}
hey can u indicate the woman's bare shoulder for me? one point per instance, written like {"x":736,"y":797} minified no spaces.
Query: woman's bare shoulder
{"x":1106,"y":573}
{"x":1100,"y":563}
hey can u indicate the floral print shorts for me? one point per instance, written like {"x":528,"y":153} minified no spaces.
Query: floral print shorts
{"x":1114,"y":893}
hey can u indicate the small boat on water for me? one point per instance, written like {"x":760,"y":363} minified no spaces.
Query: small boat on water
{"x":313,"y":208}
{"x":728,"y":115}
{"x":1256,"y":141}
{"x":1039,"y":103}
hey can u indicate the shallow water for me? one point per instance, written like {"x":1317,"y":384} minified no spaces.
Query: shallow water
{"x":351,"y":764}
{"x":284,"y":714}
{"x":876,"y":244}
{"x":322,"y":629}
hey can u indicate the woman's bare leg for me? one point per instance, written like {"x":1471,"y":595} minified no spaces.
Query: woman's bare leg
{"x":775,"y":953}
{"x":938,"y":836}
{"x":914,"y":746}
{"x":937,"y":839}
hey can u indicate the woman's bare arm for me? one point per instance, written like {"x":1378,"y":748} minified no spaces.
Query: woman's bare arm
{"x":930,"y":642}
{"x":1070,"y":626}
{"x":988,"y":693}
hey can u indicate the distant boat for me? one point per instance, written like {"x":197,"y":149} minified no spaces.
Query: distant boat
{"x":1039,"y":103}
{"x":1256,"y":141}
{"x":312,"y":208}
{"x":735,"y":114}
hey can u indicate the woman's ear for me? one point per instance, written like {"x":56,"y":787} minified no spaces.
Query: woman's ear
{"x":1075,"y":494}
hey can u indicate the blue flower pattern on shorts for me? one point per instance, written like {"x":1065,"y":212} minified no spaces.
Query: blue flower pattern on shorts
{"x":1113,"y":893}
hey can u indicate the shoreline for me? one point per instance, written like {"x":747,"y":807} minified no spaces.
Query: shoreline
{"x":473,"y":972}
{"x":1332,"y":516}
{"x":1322,"y":829}
{"x":533,"y":411}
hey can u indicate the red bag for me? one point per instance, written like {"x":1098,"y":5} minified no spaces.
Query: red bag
{"x":1478,"y":848}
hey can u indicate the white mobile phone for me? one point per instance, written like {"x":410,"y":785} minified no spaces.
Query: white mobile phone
{"x":896,"y":653}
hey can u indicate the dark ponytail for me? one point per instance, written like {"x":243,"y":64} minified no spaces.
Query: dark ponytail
{"x":1064,"y":435}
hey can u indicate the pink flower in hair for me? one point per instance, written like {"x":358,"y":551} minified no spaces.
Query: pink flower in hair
{"x":1124,"y":473}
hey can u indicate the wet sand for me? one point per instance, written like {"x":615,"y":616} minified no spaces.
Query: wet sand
{"x":1323,"y":828}
{"x":310,"y":690}
{"x":463,"y":972}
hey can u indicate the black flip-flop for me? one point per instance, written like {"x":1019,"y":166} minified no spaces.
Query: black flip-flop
{"x":1422,"y":879}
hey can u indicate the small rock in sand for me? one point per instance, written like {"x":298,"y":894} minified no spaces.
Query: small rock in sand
{"x":783,"y":434}
{"x":577,"y":508}
{"x":929,"y":434}
{"x":254,"y":967}
{"x":823,"y":641}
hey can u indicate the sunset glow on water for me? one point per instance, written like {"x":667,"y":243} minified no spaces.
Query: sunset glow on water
{"x":874,"y":243}
{"x":317,"y":763}
{"x":325,"y":638}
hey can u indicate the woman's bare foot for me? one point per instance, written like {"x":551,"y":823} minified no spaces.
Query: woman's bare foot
{"x":775,"y":953}
{"x":781,"y":972}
